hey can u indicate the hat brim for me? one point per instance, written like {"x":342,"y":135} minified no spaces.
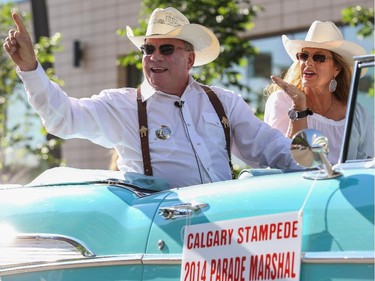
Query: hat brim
{"x":206,"y":45}
{"x":344,"y":48}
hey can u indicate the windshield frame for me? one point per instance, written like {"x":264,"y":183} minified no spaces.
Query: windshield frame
{"x":360,"y":63}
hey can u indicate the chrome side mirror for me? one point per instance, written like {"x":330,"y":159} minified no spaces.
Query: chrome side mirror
{"x":309,"y":149}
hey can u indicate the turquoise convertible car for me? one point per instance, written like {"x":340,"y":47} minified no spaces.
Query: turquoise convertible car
{"x":316,"y":224}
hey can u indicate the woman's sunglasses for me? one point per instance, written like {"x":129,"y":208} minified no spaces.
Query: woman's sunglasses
{"x":165,"y":50}
{"x":301,"y":56}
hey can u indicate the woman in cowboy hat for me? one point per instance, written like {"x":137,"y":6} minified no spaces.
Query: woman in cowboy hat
{"x":315,"y":89}
{"x":177,"y":135}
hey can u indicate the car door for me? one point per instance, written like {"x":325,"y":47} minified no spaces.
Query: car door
{"x":338,"y":221}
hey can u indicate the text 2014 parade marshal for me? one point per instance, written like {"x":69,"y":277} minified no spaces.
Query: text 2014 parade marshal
{"x":256,"y":248}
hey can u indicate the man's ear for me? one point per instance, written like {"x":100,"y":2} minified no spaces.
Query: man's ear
{"x":191,"y":60}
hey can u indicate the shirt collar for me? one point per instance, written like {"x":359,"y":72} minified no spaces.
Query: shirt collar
{"x":148,"y":91}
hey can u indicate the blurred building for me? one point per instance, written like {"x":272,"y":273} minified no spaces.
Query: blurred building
{"x":87,"y":63}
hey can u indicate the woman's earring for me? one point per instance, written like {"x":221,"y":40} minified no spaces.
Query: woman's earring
{"x":332,"y":85}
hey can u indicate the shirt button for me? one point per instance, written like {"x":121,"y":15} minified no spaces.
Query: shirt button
{"x":198,"y":143}
{"x":188,"y":124}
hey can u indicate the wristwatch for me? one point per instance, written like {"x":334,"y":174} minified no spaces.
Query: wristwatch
{"x":295,"y":115}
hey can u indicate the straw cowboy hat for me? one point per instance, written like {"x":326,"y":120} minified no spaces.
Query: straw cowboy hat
{"x":170,"y":23}
{"x":324,"y":35}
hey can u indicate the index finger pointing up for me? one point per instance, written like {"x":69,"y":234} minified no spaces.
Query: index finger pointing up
{"x":19,"y":23}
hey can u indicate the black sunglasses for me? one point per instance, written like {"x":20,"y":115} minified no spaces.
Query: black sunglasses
{"x":165,"y":50}
{"x":302,"y":56}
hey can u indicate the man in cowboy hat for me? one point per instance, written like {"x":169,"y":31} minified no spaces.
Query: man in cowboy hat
{"x":171,"y":127}
{"x":315,"y":90}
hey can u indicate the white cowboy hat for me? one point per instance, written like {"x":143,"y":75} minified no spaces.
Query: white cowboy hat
{"x":170,"y":23}
{"x":324,"y":35}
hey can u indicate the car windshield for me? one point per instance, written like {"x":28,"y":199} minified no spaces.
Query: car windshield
{"x":359,"y":133}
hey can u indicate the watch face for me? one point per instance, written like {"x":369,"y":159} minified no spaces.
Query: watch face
{"x":292,"y":114}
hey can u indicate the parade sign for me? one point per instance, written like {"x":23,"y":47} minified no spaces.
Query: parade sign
{"x":255,"y":248}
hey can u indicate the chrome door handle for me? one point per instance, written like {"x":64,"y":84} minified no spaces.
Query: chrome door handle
{"x":181,"y":210}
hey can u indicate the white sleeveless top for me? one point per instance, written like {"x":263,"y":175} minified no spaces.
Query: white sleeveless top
{"x":276,"y":115}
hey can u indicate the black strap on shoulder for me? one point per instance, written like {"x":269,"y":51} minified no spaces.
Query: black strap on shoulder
{"x":143,"y":133}
{"x":223,"y":120}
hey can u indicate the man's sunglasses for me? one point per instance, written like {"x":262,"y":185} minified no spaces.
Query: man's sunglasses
{"x":301,"y":56}
{"x":165,"y":50}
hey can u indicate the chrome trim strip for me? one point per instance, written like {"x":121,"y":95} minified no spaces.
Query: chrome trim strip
{"x":346,"y":257}
{"x":135,"y":259}
{"x":363,"y":257}
{"x":162,"y":259}
{"x":76,"y":243}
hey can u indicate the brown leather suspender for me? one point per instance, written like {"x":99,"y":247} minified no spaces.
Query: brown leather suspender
{"x":223,"y":120}
{"x":143,"y":133}
{"x":143,"y":128}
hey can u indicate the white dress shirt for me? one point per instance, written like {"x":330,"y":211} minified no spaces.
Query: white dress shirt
{"x":194,"y":153}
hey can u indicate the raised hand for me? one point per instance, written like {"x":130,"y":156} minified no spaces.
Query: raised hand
{"x":298,"y":97}
{"x":19,"y":46}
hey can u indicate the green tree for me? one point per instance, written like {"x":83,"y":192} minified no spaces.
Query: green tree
{"x":363,"y":18}
{"x":15,"y":136}
{"x":359,"y":16}
{"x":227,"y":19}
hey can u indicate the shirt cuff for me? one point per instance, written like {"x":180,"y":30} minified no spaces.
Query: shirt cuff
{"x":34,"y":80}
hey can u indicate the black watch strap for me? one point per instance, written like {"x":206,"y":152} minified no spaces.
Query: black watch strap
{"x":295,"y":115}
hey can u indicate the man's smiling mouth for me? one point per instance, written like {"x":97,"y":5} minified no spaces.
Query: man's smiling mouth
{"x":158,"y":69}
